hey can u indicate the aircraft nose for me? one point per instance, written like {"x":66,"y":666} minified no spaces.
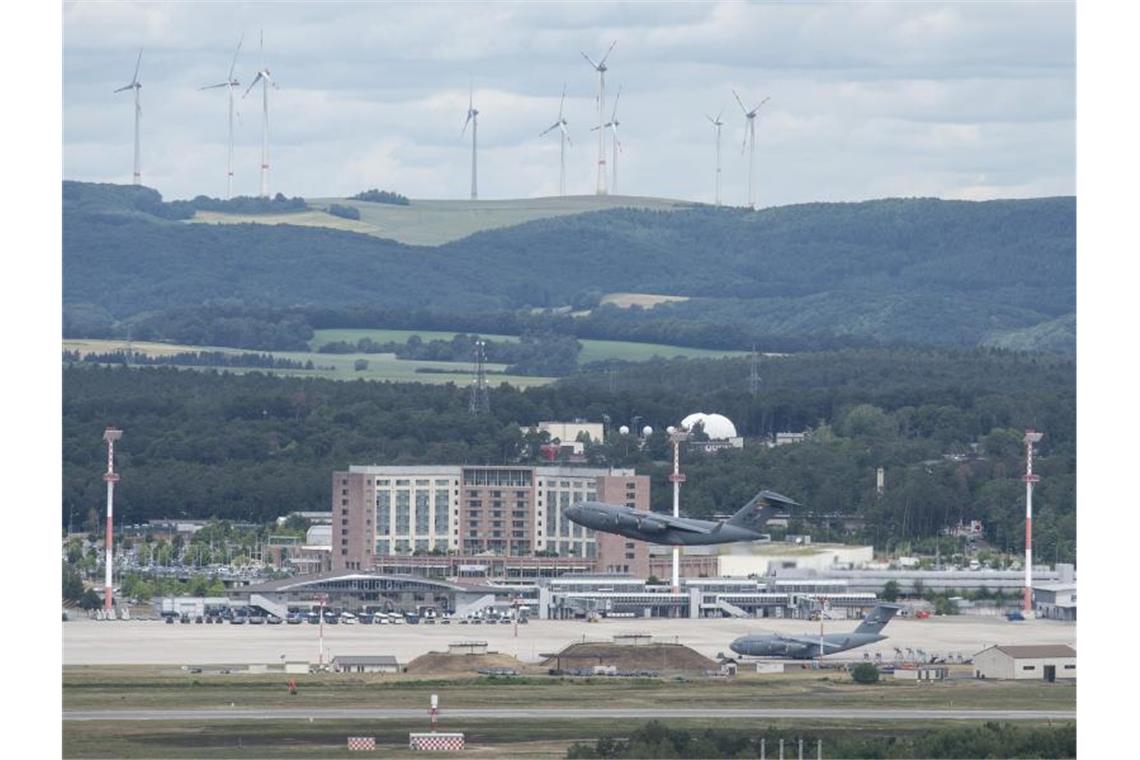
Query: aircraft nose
{"x":573,"y":512}
{"x":737,"y":645}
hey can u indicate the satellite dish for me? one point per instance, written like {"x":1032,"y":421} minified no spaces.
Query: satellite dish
{"x":624,"y":429}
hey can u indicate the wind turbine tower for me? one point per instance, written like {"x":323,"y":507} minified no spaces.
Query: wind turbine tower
{"x":600,"y":67}
{"x":717,"y":123}
{"x":136,"y":86}
{"x":612,"y":125}
{"x":564,"y":139}
{"x":749,"y":140}
{"x":230,"y":84}
{"x":473,"y":120}
{"x":266,"y":81}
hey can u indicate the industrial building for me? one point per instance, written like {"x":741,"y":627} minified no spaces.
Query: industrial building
{"x":513,"y":511}
{"x":1047,"y":662}
{"x":747,"y":559}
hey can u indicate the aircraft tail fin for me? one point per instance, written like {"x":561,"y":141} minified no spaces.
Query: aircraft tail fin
{"x":877,"y":618}
{"x":759,"y":510}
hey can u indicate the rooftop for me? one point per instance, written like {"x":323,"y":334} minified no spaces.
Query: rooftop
{"x":1033,"y":651}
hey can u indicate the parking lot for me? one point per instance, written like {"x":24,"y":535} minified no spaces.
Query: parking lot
{"x":91,"y":642}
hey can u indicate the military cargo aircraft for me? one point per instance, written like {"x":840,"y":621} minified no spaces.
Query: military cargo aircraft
{"x":807,"y":647}
{"x":658,"y":528}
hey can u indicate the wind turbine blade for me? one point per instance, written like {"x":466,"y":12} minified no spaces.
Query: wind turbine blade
{"x":741,"y":102}
{"x":236,"y":51}
{"x":589,"y":60}
{"x":138,"y":63}
{"x":464,"y":130}
{"x":613,"y":116}
{"x":721,"y":113}
{"x":607,"y":55}
{"x":548,"y":129}
{"x":214,"y":86}
{"x":127,"y":87}
{"x":256,"y":79}
{"x":567,"y":134}
{"x":762,"y":102}
{"x":562,"y":102}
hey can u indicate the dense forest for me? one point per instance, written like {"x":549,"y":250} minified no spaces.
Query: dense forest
{"x":945,"y":425}
{"x":896,"y":271}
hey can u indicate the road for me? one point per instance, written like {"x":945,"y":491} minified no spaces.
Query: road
{"x":509,"y":713}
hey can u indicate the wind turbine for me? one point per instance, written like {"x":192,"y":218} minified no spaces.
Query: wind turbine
{"x":749,"y":140}
{"x":136,"y":86}
{"x":600,"y":67}
{"x":473,"y":120}
{"x":612,"y":126}
{"x":229,"y":84}
{"x":266,"y":81}
{"x":717,"y":123}
{"x":563,"y":139}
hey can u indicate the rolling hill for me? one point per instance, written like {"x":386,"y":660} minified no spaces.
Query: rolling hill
{"x":917,"y":271}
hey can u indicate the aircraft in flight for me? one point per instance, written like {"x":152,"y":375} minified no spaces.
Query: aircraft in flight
{"x":658,"y":528}
{"x":808,"y":647}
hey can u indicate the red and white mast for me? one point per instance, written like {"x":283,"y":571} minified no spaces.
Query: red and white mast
{"x":677,"y":437}
{"x":110,"y":435}
{"x":1031,"y":437}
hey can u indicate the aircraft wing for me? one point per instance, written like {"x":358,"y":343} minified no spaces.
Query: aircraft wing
{"x":682,"y":524}
{"x":809,"y":640}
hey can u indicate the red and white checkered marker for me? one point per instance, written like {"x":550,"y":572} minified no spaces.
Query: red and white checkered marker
{"x":436,"y":742}
{"x":361,"y":743}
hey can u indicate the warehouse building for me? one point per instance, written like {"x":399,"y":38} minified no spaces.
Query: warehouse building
{"x":381,"y":512}
{"x":1046,"y":662}
{"x":366,"y":664}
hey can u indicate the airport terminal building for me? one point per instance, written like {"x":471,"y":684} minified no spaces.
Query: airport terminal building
{"x":384,"y":513}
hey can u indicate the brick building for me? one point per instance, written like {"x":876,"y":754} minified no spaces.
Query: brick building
{"x":512,"y":511}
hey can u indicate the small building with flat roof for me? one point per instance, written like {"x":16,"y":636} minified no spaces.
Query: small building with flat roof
{"x":1042,"y":662}
{"x":366,"y":664}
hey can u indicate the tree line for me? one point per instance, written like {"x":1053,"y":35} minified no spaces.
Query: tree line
{"x":945,"y":426}
{"x":187,"y":359}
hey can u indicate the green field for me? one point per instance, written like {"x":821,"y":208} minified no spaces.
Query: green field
{"x":380,"y":366}
{"x":592,"y":350}
{"x":427,"y":222}
{"x":150,"y":687}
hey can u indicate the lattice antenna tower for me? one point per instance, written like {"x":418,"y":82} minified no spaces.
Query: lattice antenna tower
{"x":480,"y":402}
{"x":754,"y":373}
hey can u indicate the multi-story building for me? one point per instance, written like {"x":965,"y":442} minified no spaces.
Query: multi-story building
{"x":513,"y":511}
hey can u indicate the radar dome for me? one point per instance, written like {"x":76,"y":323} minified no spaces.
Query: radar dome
{"x":646,"y":431}
{"x":624,"y":429}
{"x":716,"y":426}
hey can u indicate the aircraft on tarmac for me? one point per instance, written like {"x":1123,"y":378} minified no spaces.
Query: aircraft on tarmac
{"x":807,"y":647}
{"x":658,"y":528}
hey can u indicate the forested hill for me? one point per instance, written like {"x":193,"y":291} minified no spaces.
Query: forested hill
{"x":919,"y":271}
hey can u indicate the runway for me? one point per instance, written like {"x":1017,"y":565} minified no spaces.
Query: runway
{"x":382,"y":713}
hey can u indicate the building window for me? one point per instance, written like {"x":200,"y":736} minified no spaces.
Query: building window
{"x":403,"y":509}
{"x":1029,"y":667}
{"x":422,"y":515}
{"x":1070,"y":667}
{"x":383,"y":513}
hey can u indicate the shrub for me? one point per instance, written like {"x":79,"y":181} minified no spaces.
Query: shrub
{"x":865,"y":672}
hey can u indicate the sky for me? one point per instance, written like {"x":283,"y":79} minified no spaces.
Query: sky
{"x":867,"y":100}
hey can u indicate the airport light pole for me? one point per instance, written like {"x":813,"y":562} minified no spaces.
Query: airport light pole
{"x":677,"y":437}
{"x":110,"y":435}
{"x":1031,"y":437}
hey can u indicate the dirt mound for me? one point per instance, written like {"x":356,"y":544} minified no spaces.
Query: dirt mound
{"x":442,"y":663}
{"x":642,"y":657}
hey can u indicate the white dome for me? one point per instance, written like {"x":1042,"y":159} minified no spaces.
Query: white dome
{"x":624,"y":429}
{"x":646,"y":431}
{"x":716,"y":426}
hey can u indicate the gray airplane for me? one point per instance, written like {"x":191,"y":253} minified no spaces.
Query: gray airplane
{"x":807,"y":647}
{"x":658,"y":528}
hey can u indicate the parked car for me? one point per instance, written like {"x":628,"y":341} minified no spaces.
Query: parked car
{"x":294,"y":618}
{"x":274,"y":620}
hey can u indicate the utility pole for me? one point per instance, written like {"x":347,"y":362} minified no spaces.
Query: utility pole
{"x":480,"y":402}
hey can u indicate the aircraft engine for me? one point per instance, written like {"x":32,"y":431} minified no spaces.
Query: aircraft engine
{"x":650,"y":525}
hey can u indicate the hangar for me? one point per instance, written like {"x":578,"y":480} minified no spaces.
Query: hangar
{"x":1042,"y":662}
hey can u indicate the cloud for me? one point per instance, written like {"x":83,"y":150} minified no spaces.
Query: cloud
{"x":867,"y":99}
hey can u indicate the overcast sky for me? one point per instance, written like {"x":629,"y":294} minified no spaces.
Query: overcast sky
{"x":956,"y":100}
